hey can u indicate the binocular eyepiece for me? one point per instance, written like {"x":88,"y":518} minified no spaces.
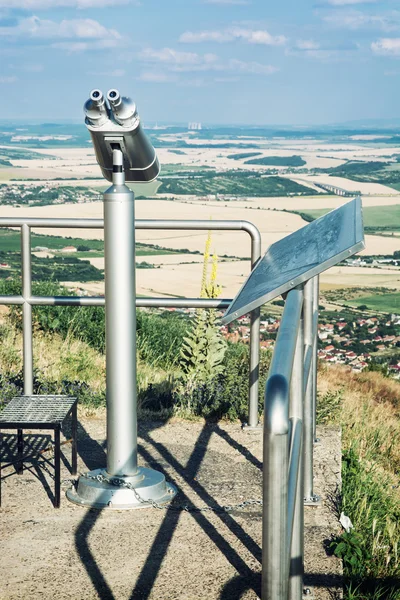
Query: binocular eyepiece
{"x":114,"y":121}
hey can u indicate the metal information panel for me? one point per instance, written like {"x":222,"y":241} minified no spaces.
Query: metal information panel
{"x":300,"y":256}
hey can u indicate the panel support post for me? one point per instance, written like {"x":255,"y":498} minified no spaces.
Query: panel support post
{"x":123,"y":484}
{"x":296,"y":410}
{"x":315,"y":352}
{"x":27,"y":342}
{"x":254,"y":368}
{"x":308,"y":311}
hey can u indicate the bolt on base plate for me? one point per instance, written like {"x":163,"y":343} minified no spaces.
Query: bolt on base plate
{"x":150,"y":486}
{"x":247,"y":427}
{"x":313,"y":501}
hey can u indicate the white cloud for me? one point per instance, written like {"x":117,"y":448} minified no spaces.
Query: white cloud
{"x":237,"y":2}
{"x":8,"y":79}
{"x":49,"y":4}
{"x":253,"y":68}
{"x":72,"y":47}
{"x":307,"y":45}
{"x":73,"y":28}
{"x":190,"y":62}
{"x":349,"y":2}
{"x":174,"y":57}
{"x":85,"y":34}
{"x":226,"y":79}
{"x":386,"y":46}
{"x":354,"y":19}
{"x":231,"y":34}
{"x":36,"y":68}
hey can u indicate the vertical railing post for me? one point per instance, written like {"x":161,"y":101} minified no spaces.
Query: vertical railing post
{"x":296,"y":413}
{"x":27,"y":309}
{"x":253,"y":420}
{"x":315,"y":351}
{"x":275,"y":533}
{"x":308,"y":439}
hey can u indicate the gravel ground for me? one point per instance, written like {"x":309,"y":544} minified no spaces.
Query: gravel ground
{"x":85,"y":554}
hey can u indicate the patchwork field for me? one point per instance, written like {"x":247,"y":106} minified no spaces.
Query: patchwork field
{"x":241,"y":168}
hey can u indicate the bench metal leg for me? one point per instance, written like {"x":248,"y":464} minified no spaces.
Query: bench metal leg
{"x":1,"y":449}
{"x":20,"y":447}
{"x":57,"y":478}
{"x":74,"y":439}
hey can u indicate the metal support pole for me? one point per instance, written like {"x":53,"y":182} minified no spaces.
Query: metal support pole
{"x":27,"y":310}
{"x":120,"y":291}
{"x":253,"y":421}
{"x":315,"y":351}
{"x":275,"y":567}
{"x":296,"y":554}
{"x":137,"y":487}
{"x":308,"y":439}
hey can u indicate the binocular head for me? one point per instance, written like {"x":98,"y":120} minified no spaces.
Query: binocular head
{"x":113,"y":122}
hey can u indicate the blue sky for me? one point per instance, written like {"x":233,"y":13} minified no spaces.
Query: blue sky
{"x":215,"y":61}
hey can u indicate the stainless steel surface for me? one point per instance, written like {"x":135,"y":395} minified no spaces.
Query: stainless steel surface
{"x":189,"y":224}
{"x":300,"y":256}
{"x":296,"y":413}
{"x":97,"y":493}
{"x":276,"y":413}
{"x":100,"y":301}
{"x":96,"y":109}
{"x":315,"y":351}
{"x":254,"y":373}
{"x":11,"y":300}
{"x":293,"y":477}
{"x":118,"y":126}
{"x":308,"y":310}
{"x":157,"y":302}
{"x":119,"y":252}
{"x":275,"y":560}
{"x":27,"y":310}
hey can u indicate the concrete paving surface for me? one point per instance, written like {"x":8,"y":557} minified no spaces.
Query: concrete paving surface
{"x":83,"y":554}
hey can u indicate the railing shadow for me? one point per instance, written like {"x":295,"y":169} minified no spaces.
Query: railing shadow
{"x":33,"y":458}
{"x":150,"y":570}
{"x":239,"y":447}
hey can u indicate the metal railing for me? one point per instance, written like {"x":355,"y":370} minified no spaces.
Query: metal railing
{"x":289,"y":434}
{"x":27,"y":300}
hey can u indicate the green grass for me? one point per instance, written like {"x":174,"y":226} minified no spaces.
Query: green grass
{"x":375,"y":218}
{"x":366,"y":407}
{"x":10,"y":240}
{"x":243,"y":155}
{"x":235,"y":183}
{"x":386,"y":303}
{"x":278,"y":161}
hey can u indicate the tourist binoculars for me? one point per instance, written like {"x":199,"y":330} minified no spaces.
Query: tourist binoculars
{"x":114,"y":123}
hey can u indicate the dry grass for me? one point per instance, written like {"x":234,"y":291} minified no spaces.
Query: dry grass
{"x":368,"y":412}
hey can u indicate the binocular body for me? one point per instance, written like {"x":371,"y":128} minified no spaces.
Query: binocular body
{"x":116,"y":124}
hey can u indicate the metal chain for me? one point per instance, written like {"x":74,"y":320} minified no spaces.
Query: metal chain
{"x":177,"y":507}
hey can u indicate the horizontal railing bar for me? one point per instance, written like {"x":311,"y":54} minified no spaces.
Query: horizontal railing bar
{"x":11,"y":300}
{"x":293,"y":474}
{"x":100,"y":301}
{"x":139,"y":224}
{"x":308,"y":356}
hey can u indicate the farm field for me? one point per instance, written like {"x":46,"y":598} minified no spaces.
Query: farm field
{"x":383,"y":217}
{"x":190,"y":162}
{"x":388,"y":303}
